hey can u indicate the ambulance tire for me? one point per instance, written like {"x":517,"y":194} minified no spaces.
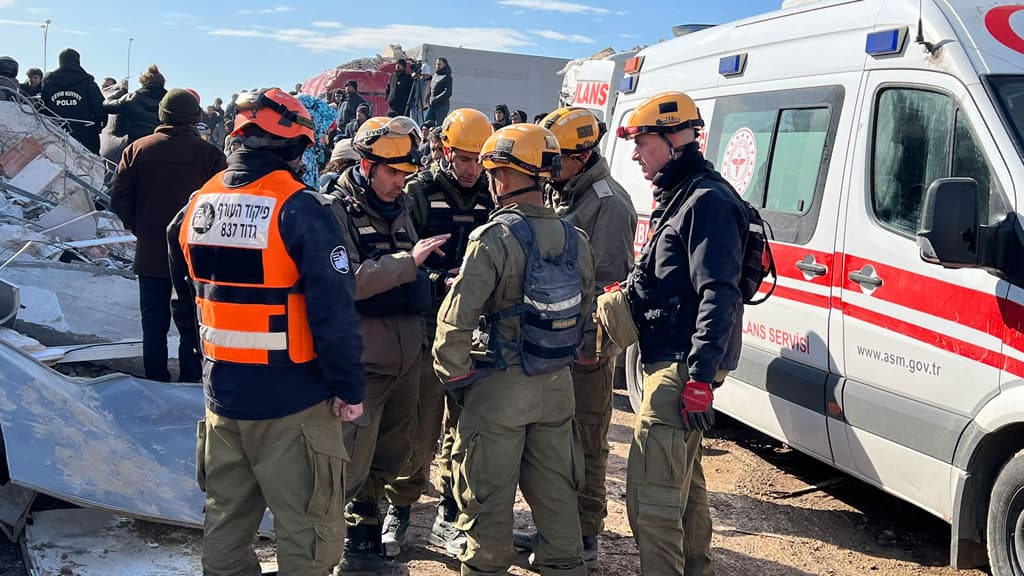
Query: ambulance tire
{"x":1005,"y":533}
{"x":634,"y":377}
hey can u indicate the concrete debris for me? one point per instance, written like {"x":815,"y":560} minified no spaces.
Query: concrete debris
{"x":95,"y":543}
{"x":52,"y":194}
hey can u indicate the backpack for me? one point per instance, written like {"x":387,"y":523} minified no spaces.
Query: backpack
{"x":550,"y":315}
{"x":758,"y":262}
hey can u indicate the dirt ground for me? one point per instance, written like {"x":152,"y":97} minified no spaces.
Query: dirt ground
{"x":769,"y":519}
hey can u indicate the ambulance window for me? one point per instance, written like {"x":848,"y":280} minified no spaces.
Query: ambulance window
{"x":750,"y":142}
{"x":775,"y":148}
{"x":969,"y":162}
{"x":796,"y":159}
{"x":911,"y":150}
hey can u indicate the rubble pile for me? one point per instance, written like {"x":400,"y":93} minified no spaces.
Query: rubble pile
{"x":52,"y":198}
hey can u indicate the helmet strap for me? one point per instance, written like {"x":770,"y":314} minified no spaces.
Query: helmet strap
{"x":503,"y":199}
{"x":366,"y":167}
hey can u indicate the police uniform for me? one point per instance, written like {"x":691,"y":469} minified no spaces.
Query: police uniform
{"x":274,"y":304}
{"x":391,"y":292}
{"x":598,"y":205}
{"x":514,"y":429}
{"x":438,"y":205}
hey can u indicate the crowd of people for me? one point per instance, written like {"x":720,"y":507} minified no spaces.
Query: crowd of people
{"x":363,"y":296}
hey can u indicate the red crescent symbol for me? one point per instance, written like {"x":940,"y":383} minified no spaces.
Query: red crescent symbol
{"x":998,"y":23}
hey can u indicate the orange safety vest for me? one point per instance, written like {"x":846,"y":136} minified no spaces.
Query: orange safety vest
{"x":250,"y":308}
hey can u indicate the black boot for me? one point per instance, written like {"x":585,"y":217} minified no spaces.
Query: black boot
{"x":362,"y":542}
{"x":444,"y":533}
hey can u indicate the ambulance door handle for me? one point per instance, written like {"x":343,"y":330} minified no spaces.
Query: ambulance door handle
{"x":866,"y":277}
{"x":810,"y":267}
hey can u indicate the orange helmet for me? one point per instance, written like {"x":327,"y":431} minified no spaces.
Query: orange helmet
{"x":663,"y":113}
{"x":525,"y":148}
{"x":276,"y":112}
{"x":577,"y":129}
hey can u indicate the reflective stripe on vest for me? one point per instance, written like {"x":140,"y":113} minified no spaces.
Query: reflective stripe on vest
{"x":444,"y":217}
{"x":247,"y":302}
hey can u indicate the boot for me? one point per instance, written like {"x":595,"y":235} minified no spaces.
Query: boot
{"x":444,"y":533}
{"x":394,"y":530}
{"x":590,"y":549}
{"x":362,"y":542}
{"x":524,"y":540}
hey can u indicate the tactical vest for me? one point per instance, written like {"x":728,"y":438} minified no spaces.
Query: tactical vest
{"x":445,"y":217}
{"x":402,"y":300}
{"x":550,"y":314}
{"x":250,"y":308}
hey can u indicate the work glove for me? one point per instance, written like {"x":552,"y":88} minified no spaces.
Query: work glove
{"x":695,"y":406}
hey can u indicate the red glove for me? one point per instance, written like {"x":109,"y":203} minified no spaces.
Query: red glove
{"x":695,"y":406}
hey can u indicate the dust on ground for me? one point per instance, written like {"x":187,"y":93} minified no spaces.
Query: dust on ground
{"x":776,"y":512}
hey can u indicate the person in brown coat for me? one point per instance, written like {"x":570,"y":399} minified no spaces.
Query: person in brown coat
{"x":155,"y":178}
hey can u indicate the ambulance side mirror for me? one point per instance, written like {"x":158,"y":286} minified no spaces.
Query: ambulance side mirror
{"x":949,"y":230}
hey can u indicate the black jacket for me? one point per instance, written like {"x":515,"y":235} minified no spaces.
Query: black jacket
{"x":397,"y":92}
{"x":29,"y":91}
{"x":684,"y":290}
{"x":311,"y":236}
{"x":347,"y":110}
{"x":138,"y":111}
{"x":441,"y":88}
{"x":71,"y":93}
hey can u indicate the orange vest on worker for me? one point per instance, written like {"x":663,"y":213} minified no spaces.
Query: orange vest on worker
{"x":248,"y":300}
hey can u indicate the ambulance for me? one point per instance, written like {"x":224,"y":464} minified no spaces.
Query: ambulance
{"x":883,"y":140}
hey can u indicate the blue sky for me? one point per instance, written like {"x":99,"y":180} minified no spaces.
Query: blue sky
{"x":219,"y":47}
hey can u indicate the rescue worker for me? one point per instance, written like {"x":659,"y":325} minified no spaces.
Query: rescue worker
{"x":273,"y":297}
{"x":685,"y":300}
{"x":451,"y":198}
{"x":391,"y":293}
{"x":587,"y":196}
{"x":525,"y":268}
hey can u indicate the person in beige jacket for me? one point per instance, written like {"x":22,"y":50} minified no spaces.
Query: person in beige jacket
{"x":392,"y":291}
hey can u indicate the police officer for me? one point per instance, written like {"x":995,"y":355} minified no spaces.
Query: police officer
{"x":587,"y":196}
{"x":451,"y":198}
{"x":391,"y":293}
{"x":685,"y":300}
{"x":272,"y":286}
{"x":507,"y":333}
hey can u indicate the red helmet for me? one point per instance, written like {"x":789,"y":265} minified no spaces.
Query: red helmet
{"x":276,"y":112}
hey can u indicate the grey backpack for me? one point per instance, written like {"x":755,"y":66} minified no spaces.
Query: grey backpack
{"x":550,"y":314}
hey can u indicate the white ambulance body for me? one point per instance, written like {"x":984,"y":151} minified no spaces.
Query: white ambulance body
{"x":835,"y":122}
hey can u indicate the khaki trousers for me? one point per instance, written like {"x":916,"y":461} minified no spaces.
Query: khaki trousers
{"x":592,"y":387}
{"x":414,"y":476}
{"x":518,"y":430}
{"x":295,"y":465}
{"x":666,"y":494}
{"x":380,"y":442}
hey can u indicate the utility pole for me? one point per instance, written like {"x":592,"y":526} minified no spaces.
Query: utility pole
{"x":46,"y":29}
{"x":130,"y":40}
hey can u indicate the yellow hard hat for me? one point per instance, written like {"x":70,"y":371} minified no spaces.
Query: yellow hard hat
{"x":392,"y":141}
{"x":663,"y":113}
{"x":577,"y":129}
{"x":466,"y":129}
{"x":526,"y":148}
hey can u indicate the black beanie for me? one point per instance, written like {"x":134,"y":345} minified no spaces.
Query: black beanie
{"x":70,"y":56}
{"x":8,"y":67}
{"x":180,"y":107}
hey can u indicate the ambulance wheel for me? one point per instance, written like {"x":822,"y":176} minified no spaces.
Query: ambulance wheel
{"x":1006,"y":520}
{"x":634,"y":378}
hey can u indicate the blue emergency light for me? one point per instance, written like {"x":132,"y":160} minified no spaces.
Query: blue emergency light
{"x":734,"y":65}
{"x":628,"y":84}
{"x":886,"y":42}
